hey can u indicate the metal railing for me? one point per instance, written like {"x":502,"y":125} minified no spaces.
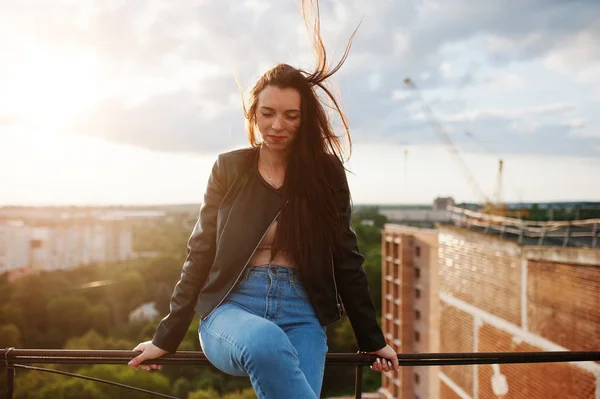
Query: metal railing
{"x":12,"y":359}
{"x":578,"y":233}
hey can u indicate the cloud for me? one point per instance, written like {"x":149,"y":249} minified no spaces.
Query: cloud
{"x":176,"y":122}
{"x":579,"y":56}
{"x":170,"y":66}
{"x":481,"y":114}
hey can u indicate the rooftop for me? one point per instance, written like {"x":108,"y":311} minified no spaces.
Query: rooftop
{"x":578,"y":233}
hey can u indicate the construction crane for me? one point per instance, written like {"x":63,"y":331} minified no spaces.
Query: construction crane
{"x":500,"y":183}
{"x":499,"y":199}
{"x":490,"y":207}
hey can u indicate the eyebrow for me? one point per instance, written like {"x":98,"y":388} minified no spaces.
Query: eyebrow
{"x":287,"y":110}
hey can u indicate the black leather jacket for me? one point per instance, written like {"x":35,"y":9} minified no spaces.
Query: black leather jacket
{"x":239,"y":207}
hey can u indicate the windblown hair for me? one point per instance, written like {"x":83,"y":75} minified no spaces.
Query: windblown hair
{"x":310,"y":219}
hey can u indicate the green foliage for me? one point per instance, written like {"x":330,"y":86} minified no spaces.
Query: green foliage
{"x":70,"y":313}
{"x":92,"y":340}
{"x":64,"y":306}
{"x":340,"y":337}
{"x":11,"y":314}
{"x":62,"y":309}
{"x":126,"y":295}
{"x":368,"y":214}
{"x":204,"y":394}
{"x":32,"y":307}
{"x":182,"y":387}
{"x":6,"y":289}
{"x":126,"y":375}
{"x":52,"y":386}
{"x":10,"y":336}
{"x":372,"y":266}
{"x":212,"y":394}
{"x":167,"y":236}
{"x":71,"y":389}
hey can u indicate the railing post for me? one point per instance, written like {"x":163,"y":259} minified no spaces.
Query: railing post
{"x":10,"y":381}
{"x":10,"y":374}
{"x":358,"y":384}
{"x":567,"y":235}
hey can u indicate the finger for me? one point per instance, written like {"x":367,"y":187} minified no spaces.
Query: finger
{"x":388,"y":364}
{"x":137,"y":360}
{"x":384,"y":365}
{"x":396,"y":363}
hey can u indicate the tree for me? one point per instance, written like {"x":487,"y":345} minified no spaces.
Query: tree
{"x":68,"y":316}
{"x":10,"y":336}
{"x":33,"y":307}
{"x":182,"y":387}
{"x":372,"y":266}
{"x":370,"y":213}
{"x":204,"y":394}
{"x":6,"y":288}
{"x":212,"y":394}
{"x":72,"y":388}
{"x":92,"y":340}
{"x":125,"y":296}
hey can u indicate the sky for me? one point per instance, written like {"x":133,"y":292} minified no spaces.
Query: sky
{"x":122,"y":102}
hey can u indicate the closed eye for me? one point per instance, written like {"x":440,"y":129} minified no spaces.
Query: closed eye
{"x":270,"y":114}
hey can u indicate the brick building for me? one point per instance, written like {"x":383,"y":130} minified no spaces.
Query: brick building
{"x":452,"y":289}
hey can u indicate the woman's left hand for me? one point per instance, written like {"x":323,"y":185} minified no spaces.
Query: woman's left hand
{"x":387,"y":359}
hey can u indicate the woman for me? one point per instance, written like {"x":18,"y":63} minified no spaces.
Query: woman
{"x":273,"y":255}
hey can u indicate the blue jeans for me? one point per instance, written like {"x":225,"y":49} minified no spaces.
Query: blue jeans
{"x":268,"y":330}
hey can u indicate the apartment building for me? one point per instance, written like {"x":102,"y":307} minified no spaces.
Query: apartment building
{"x":62,"y":243}
{"x":466,"y":289}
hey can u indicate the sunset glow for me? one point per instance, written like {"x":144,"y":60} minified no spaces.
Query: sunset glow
{"x":48,"y":88}
{"x":105,"y":102}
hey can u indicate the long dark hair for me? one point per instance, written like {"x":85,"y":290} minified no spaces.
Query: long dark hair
{"x":310,"y":219}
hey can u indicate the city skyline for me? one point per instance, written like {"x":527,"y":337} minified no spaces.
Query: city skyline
{"x":109,"y":104}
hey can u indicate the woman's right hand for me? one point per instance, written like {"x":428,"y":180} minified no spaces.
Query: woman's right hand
{"x":149,"y":352}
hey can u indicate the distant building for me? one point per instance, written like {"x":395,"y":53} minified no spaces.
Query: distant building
{"x":15,"y":247}
{"x":65,"y":242}
{"x":453,"y":289}
{"x":421,"y":216}
{"x":144,"y":312}
{"x":442,"y":203}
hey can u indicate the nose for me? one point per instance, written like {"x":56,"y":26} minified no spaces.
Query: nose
{"x":277,"y":123}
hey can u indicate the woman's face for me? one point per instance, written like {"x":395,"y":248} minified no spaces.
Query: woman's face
{"x":278,"y":116}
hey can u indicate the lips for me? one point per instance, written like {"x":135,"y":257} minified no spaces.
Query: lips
{"x":277,"y":139}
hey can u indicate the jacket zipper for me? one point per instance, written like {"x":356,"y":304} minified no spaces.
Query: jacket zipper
{"x":337,"y":296}
{"x":246,"y":265}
